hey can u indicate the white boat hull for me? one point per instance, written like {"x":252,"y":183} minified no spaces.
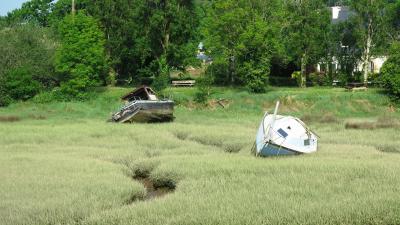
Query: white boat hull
{"x":285,"y":135}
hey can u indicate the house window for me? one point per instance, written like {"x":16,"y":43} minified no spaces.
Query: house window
{"x":372,"y":67}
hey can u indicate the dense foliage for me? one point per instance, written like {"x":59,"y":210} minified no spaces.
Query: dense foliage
{"x":242,"y":38}
{"x":34,"y":11}
{"x":18,"y":84}
{"x":130,"y":42}
{"x":391,"y":71}
{"x":27,"y":54}
{"x":80,"y":60}
{"x":306,"y":33}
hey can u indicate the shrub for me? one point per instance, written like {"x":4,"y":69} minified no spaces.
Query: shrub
{"x":255,"y":77}
{"x":391,"y":72}
{"x":161,"y":81}
{"x":343,"y":78}
{"x":296,"y":75}
{"x":204,"y":88}
{"x":218,"y":70}
{"x":320,"y":79}
{"x":28,"y":46}
{"x":18,"y":84}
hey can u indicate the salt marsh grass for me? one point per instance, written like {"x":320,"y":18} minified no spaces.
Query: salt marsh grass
{"x":74,"y":168}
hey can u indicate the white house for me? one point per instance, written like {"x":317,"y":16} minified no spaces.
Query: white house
{"x":341,"y":14}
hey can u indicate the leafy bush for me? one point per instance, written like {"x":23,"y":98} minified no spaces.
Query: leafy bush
{"x":18,"y":84}
{"x":296,"y":75}
{"x":391,"y":72}
{"x":256,"y":80}
{"x":161,"y":81}
{"x":204,"y":88}
{"x":28,"y":46}
{"x":343,"y":78}
{"x":320,"y":79}
{"x":219,"y":71}
{"x":81,"y":60}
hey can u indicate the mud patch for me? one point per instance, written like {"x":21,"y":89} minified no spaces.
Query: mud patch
{"x":152,"y":190}
{"x":9,"y":119}
{"x":155,"y":187}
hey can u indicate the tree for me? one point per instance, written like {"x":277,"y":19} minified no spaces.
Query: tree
{"x":241,"y":36}
{"x":62,"y":8}
{"x":371,"y":29}
{"x":33,"y":11}
{"x":80,"y":60}
{"x":308,"y":22}
{"x":30,"y":47}
{"x":345,"y":50}
{"x":391,"y":71}
{"x":140,"y":32}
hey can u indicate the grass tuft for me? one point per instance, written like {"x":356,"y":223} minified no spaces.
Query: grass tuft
{"x":10,"y":119}
{"x":233,"y":147}
{"x":181,"y":135}
{"x":388,"y":121}
{"x":360,"y":125}
{"x":318,"y":118}
{"x":387,"y":148}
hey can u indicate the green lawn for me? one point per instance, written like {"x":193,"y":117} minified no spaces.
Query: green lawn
{"x":62,"y":163}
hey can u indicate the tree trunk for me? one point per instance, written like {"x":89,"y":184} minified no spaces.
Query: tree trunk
{"x":73,"y":7}
{"x":166,"y":34}
{"x":367,"y":52}
{"x":303,"y":73}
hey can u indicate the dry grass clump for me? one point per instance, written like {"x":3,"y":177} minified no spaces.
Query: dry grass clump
{"x":38,"y":117}
{"x":208,"y":140}
{"x":360,"y":125}
{"x":233,"y":147}
{"x":219,"y":103}
{"x":388,"y":148}
{"x":386,"y":121}
{"x":181,"y":135}
{"x":325,"y":118}
{"x":9,"y":119}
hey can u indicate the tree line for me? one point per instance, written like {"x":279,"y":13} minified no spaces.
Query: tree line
{"x":124,"y":42}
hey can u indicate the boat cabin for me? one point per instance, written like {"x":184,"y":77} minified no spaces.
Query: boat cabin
{"x":142,"y":93}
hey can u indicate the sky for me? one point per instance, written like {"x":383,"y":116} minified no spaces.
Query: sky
{"x":9,"y":5}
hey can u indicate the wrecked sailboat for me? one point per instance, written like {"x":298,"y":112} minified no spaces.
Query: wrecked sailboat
{"x":284,"y":135}
{"x":142,"y":105}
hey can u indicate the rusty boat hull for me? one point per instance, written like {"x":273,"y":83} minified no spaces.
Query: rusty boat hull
{"x":145,"y":111}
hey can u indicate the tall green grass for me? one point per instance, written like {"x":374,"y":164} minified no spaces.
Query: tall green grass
{"x":61,"y":163}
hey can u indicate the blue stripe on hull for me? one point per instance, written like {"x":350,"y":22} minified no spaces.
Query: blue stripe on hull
{"x":273,"y":150}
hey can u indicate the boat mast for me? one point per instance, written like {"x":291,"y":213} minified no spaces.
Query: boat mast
{"x":273,"y":119}
{"x":271,"y":125}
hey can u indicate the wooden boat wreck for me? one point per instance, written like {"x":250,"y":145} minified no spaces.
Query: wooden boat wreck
{"x":142,"y":105}
{"x":284,"y":135}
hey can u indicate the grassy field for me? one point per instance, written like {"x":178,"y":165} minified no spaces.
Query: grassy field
{"x":62,"y":163}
